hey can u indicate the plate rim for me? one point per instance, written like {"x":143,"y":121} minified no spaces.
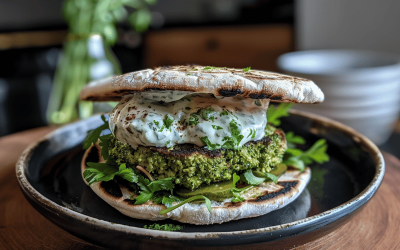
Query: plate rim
{"x":369,"y":191}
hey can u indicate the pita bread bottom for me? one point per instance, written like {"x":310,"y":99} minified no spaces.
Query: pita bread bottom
{"x":259,"y":200}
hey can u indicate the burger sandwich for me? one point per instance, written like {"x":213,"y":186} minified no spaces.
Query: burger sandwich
{"x":197,"y":144}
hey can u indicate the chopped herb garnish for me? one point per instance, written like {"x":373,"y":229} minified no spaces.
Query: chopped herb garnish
{"x":193,"y":119}
{"x":224,"y":113}
{"x":207,"y":113}
{"x":216,"y":127}
{"x":233,"y":142}
{"x":165,"y":227}
{"x":246,"y":69}
{"x":156,"y":123}
{"x":168,"y":120}
{"x":188,"y":74}
{"x":210,"y":146}
{"x":162,"y":128}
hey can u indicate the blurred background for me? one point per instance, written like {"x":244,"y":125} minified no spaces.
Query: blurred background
{"x":234,"y":33}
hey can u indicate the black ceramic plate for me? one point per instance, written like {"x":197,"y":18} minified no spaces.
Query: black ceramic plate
{"x":49,"y":176}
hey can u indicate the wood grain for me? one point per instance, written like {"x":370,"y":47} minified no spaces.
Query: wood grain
{"x":21,"y":227}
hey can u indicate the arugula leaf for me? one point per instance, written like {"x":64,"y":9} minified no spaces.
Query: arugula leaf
{"x":197,"y":197}
{"x":165,"y":227}
{"x":254,"y":180}
{"x":246,"y":69}
{"x":193,"y":119}
{"x":210,"y":146}
{"x":168,"y":121}
{"x":292,"y":139}
{"x":94,"y":134}
{"x":168,"y":201}
{"x":274,"y":114}
{"x":236,"y":191}
{"x":216,"y":127}
{"x":105,"y":172}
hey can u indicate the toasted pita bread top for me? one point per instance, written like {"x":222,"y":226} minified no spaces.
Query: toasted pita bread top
{"x":222,"y":82}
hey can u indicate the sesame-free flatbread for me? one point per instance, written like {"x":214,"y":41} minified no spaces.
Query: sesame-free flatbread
{"x":221,"y":82}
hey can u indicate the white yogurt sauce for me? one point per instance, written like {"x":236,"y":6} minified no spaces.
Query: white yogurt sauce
{"x":141,"y":119}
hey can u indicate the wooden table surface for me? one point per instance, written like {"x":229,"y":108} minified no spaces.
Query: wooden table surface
{"x":22,"y":227}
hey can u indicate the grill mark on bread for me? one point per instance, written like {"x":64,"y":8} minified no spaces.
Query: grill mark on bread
{"x":251,"y":84}
{"x":288,"y":186}
{"x":230,"y":92}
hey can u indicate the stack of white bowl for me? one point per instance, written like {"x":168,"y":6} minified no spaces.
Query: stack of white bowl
{"x":362,"y":89}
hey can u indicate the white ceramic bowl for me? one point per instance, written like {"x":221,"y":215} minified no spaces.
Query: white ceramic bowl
{"x":362,"y":88}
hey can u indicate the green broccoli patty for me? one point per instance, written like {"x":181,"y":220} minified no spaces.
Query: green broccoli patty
{"x":193,"y":166}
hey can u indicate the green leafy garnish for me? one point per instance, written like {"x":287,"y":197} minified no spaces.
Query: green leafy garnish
{"x":234,"y":140}
{"x":236,"y":191}
{"x":252,"y":133}
{"x":216,"y":127}
{"x":299,"y":159}
{"x":274,"y":114}
{"x":292,"y":139}
{"x":148,"y":188}
{"x":168,"y":120}
{"x":210,"y":68}
{"x":197,"y":197}
{"x":162,"y":128}
{"x":246,"y":69}
{"x":193,"y":119}
{"x":188,"y":74}
{"x":156,"y":122}
{"x":104,"y":142}
{"x":254,"y":180}
{"x":207,"y":113}
{"x":165,"y":227}
{"x":210,"y":146}
{"x":105,"y":172}
{"x":225,"y":112}
{"x":94,"y":134}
